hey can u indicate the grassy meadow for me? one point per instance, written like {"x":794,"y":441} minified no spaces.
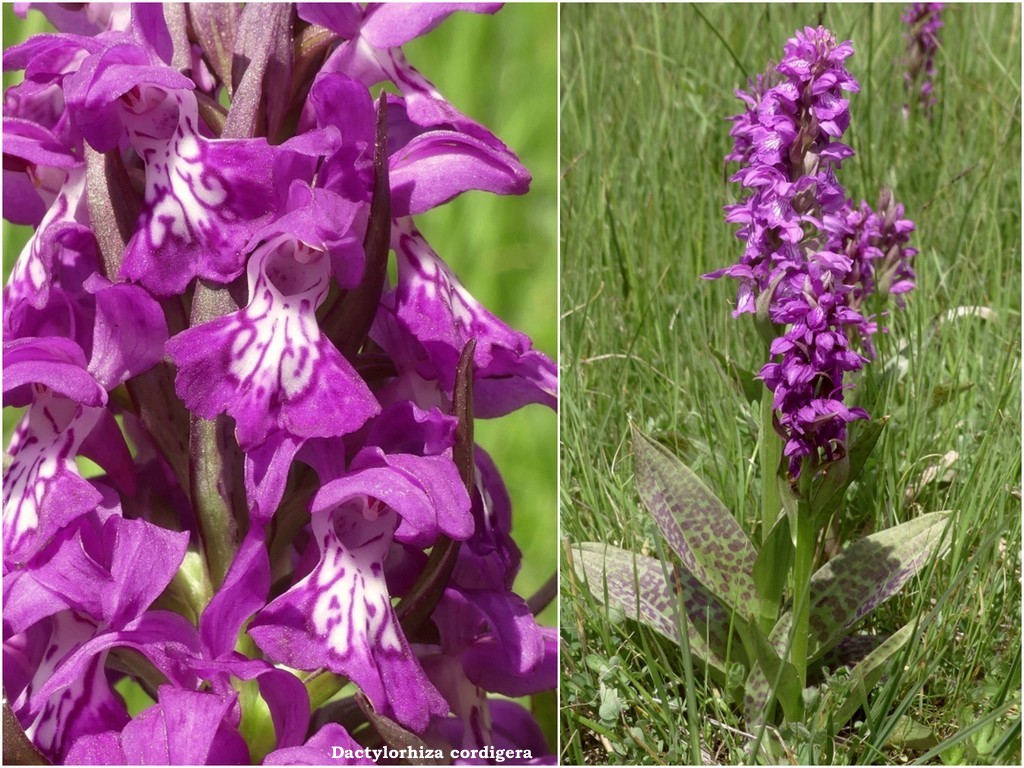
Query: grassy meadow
{"x":644,"y":96}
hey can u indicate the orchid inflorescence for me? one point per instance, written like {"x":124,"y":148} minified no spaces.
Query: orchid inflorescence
{"x":810,"y":257}
{"x":284,"y":437}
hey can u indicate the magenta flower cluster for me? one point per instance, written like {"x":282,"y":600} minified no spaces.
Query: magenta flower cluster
{"x":288,"y":492}
{"x":809,"y":258}
{"x":787,"y":143}
{"x":924,"y":21}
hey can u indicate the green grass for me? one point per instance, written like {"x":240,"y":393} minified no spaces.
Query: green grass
{"x":645,"y":93}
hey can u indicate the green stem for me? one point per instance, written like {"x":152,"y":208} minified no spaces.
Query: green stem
{"x":211,"y":499}
{"x":321,"y":686}
{"x":803,"y":564}
{"x":771,"y":455}
{"x":772,"y":563}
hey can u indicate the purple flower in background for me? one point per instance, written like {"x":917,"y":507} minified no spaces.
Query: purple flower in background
{"x":286,"y":520}
{"x":924,"y":21}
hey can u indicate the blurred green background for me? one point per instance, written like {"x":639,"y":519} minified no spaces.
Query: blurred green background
{"x":502,"y":71}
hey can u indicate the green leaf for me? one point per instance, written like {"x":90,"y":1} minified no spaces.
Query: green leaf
{"x":828,"y":495}
{"x":779,"y":673}
{"x":771,"y":570}
{"x":636,"y":585}
{"x":864,"y":677}
{"x":743,"y":377}
{"x":698,"y":526}
{"x":910,"y":734}
{"x":865,"y":575}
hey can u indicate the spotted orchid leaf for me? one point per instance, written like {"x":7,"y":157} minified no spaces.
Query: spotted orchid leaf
{"x":847,"y":588}
{"x":637,"y":586}
{"x":777,"y":671}
{"x":863,"y":576}
{"x":698,"y":527}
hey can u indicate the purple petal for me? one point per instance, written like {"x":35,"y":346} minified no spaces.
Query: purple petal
{"x":204,"y":199}
{"x":405,"y":428}
{"x":437,"y":166}
{"x":167,"y":639}
{"x":42,"y":489}
{"x":97,"y":749}
{"x":319,"y":750}
{"x":244,"y":592}
{"x":388,"y":25}
{"x":485,"y":664}
{"x":60,"y":243}
{"x":184,"y":728}
{"x":129,"y":334}
{"x":94,"y":92}
{"x":341,"y":615}
{"x":490,"y":559}
{"x":87,"y":706}
{"x":269,"y":366}
{"x":426,"y":491}
{"x":433,"y":306}
{"x":55,"y":363}
{"x":93,"y":565}
{"x":266,"y":473}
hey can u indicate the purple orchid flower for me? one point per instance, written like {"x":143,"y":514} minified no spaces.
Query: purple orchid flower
{"x":285,"y":512}
{"x":787,"y":144}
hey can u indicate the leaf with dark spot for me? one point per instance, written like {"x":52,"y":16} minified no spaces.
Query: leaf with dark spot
{"x":636,"y":585}
{"x":865,"y":575}
{"x":701,"y":530}
{"x":865,"y":676}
